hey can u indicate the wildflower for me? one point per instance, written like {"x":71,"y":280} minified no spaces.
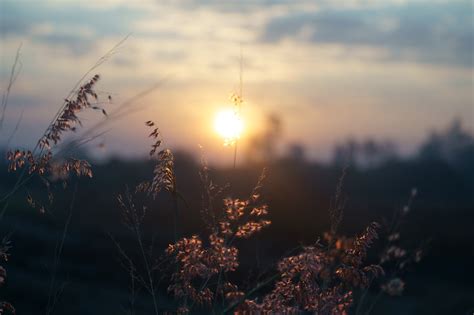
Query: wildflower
{"x":67,"y":120}
{"x":163,"y":173}
{"x":358,"y":251}
{"x":394,"y":287}
{"x":393,"y":253}
{"x":259,"y":211}
{"x":307,"y":280}
{"x":235,"y":208}
{"x":393,"y":237}
{"x":198,"y":262}
{"x":249,"y":228}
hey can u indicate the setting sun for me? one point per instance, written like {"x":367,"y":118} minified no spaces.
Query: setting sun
{"x":229,"y":125}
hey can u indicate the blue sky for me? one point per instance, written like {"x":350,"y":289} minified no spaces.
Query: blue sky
{"x":389,"y":69}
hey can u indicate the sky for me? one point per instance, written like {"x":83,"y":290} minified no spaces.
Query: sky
{"x":330,"y":70}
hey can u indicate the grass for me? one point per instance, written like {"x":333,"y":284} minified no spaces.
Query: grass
{"x":332,"y":275}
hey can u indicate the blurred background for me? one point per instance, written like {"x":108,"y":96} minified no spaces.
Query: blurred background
{"x":330,"y":70}
{"x":384,"y":88}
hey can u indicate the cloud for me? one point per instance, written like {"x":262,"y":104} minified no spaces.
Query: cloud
{"x":428,"y":33}
{"x":355,"y":62}
{"x":76,"y":45}
{"x":69,"y":25}
{"x":11,"y":22}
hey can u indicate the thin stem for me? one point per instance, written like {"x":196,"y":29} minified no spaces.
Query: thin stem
{"x":15,"y":130}
{"x":17,"y":186}
{"x":260,"y":285}
{"x":239,"y":102}
{"x":147,"y":267}
{"x":362,"y":299}
{"x":231,"y":307}
{"x":235,"y":154}
{"x":241,"y":71}
{"x":53,"y":296}
{"x":176,"y":216}
{"x":13,"y":76}
{"x":123,"y":110}
{"x":374,"y":302}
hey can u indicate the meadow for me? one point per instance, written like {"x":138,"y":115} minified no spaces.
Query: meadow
{"x":173,"y":234}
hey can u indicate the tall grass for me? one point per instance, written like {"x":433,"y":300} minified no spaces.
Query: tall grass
{"x":332,"y":275}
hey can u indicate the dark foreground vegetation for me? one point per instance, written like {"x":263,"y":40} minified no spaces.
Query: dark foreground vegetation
{"x":369,"y":233}
{"x":91,"y":278}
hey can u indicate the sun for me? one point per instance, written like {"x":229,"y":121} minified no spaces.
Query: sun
{"x":229,"y":125}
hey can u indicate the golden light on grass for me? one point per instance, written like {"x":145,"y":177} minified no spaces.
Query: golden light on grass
{"x":229,"y":125}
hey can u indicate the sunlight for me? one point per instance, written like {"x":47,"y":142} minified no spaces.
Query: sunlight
{"x":229,"y":125}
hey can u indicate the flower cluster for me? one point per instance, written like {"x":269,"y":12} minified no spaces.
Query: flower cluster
{"x":243,"y":218}
{"x":395,"y":257}
{"x":297,"y":289}
{"x":197,"y":263}
{"x":163,"y":173}
{"x":392,"y":253}
{"x":394,"y":287}
{"x":235,"y":224}
{"x":191,"y":257}
{"x":320,"y":280}
{"x":44,"y":165}
{"x":41,"y":161}
{"x":356,"y":254}
{"x":67,"y":119}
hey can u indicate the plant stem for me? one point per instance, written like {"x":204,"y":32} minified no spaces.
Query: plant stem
{"x":231,"y":307}
{"x":235,"y":154}
{"x":176,"y":216}
{"x":148,"y":269}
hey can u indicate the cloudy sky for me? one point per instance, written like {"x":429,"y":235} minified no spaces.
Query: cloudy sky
{"x":386,"y":69}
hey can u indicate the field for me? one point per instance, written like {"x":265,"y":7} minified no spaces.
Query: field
{"x":112,"y":205}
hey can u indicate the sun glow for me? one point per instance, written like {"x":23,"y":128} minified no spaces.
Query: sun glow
{"x":229,"y":125}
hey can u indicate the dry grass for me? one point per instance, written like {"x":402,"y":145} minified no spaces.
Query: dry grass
{"x":323,"y":278}
{"x":330,"y":276}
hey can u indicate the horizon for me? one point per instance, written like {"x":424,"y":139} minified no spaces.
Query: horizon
{"x":391,"y":70}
